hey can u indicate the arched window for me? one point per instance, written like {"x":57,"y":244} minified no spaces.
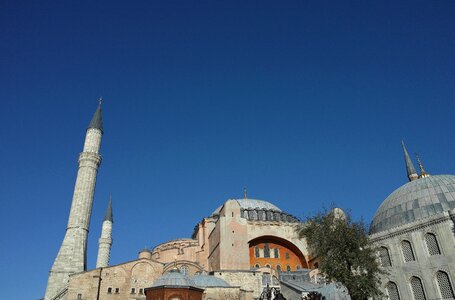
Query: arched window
{"x":392,"y":291}
{"x":266,"y":250}
{"x":385,"y":257}
{"x":297,"y":267}
{"x":406,"y":248}
{"x":278,"y":268}
{"x":417,"y":288}
{"x":277,"y":216}
{"x":445,"y":287}
{"x":288,"y":268}
{"x":267,"y":266}
{"x":261,"y":215}
{"x":256,"y":251}
{"x":184,"y":269}
{"x":432,"y":244}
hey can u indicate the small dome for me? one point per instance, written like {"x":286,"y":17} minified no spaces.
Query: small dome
{"x":251,"y":204}
{"x":209,"y":281}
{"x":415,"y":200}
{"x":174,"y":279}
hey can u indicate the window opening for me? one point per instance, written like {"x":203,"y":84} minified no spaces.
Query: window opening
{"x":444,"y":285}
{"x":417,"y":288}
{"x":432,"y":244}
{"x":392,"y":291}
{"x":184,"y":269}
{"x":276,"y":252}
{"x":385,"y":257}
{"x":266,"y":250}
{"x":408,"y":254}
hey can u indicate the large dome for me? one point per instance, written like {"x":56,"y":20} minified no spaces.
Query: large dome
{"x":251,"y":204}
{"x":415,"y":200}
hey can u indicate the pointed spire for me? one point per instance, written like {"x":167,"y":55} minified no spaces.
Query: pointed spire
{"x":423,"y":174}
{"x":108,"y":216}
{"x":245,"y":196}
{"x":97,"y":120}
{"x":411,"y":171}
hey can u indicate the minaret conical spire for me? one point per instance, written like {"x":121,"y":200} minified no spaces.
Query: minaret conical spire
{"x":109,"y":216}
{"x":97,"y":119}
{"x":411,"y":171}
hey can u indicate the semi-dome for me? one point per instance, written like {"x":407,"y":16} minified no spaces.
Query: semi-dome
{"x":204,"y":281}
{"x":174,"y":279}
{"x":251,"y":204}
{"x":415,"y":200}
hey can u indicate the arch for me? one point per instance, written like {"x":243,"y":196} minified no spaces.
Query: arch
{"x":432,"y":244}
{"x":444,"y":285}
{"x":384,"y":256}
{"x":193,"y":267}
{"x":417,"y":289}
{"x":175,"y":296}
{"x":275,"y":249}
{"x":288,"y":268}
{"x":406,"y":249}
{"x":278,"y":268}
{"x":392,"y":290}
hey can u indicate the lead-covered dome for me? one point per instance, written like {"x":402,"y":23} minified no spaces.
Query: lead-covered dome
{"x":174,"y":278}
{"x":205,"y":281}
{"x":251,"y":204}
{"x":259,"y":210}
{"x":415,"y":200}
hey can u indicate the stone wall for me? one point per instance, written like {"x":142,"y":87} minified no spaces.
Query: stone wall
{"x":124,"y":281}
{"x":424,"y":266}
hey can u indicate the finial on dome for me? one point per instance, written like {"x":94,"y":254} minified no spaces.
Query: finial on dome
{"x":411,"y":171}
{"x":423,"y":174}
{"x":245,"y":193}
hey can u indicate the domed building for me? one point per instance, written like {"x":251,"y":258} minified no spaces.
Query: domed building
{"x":243,"y":247}
{"x":414,"y":231}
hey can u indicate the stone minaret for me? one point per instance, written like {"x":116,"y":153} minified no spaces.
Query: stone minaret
{"x":72,"y":256}
{"x":105,"y":241}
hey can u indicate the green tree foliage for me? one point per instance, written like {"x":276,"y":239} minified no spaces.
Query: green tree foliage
{"x":346,"y":255}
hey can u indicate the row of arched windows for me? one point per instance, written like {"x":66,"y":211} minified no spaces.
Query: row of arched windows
{"x":417,"y":288}
{"x":278,"y":267}
{"x":408,"y":252}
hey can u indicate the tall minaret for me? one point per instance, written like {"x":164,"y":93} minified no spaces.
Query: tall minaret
{"x":72,"y":256}
{"x":410,"y":170}
{"x":105,"y":241}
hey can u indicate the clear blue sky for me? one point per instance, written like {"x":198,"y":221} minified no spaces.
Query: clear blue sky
{"x":303,"y":102}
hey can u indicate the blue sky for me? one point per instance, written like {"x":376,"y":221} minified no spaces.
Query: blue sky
{"x":303,"y":102}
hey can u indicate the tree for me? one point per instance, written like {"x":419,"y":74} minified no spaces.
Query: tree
{"x":346,"y":254}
